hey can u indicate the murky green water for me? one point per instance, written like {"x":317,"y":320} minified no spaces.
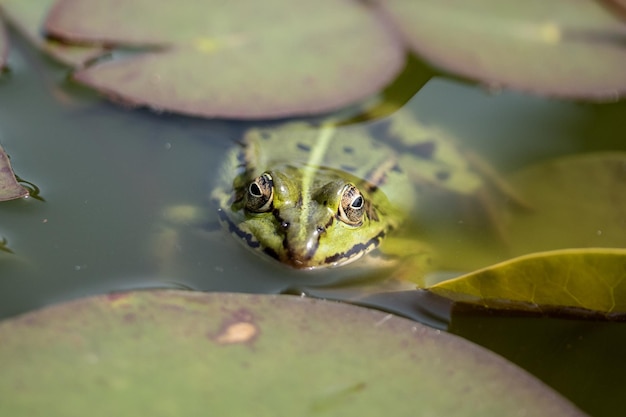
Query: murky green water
{"x":107,"y":173}
{"x":581,"y":359}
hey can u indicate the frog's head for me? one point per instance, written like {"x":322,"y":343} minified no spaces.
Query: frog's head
{"x":308,"y":222}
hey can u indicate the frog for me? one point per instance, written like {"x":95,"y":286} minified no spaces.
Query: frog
{"x":324,"y":195}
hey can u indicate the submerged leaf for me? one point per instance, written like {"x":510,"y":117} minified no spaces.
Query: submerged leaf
{"x":588,"y":279}
{"x":29,"y":16}
{"x":174,"y":353}
{"x":10,"y":189}
{"x":568,"y":48}
{"x":244,"y":59}
{"x":577,"y":201}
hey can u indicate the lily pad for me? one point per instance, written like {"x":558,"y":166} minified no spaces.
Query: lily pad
{"x":10,"y":189}
{"x":567,"y":48}
{"x":28,"y":17}
{"x":182,"y":353}
{"x":587,"y":279}
{"x":244,"y":59}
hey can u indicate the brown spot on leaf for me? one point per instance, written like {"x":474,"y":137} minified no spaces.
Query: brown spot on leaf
{"x":242,"y":332}
{"x":237,"y":328}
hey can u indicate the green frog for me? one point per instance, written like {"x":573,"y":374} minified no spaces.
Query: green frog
{"x":318,"y":196}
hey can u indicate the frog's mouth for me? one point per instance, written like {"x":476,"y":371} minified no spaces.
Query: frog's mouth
{"x":311,"y":242}
{"x":312,"y":237}
{"x":314,"y":255}
{"x":301,"y":261}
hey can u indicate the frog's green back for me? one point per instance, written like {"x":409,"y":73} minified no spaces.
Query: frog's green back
{"x":352,"y":149}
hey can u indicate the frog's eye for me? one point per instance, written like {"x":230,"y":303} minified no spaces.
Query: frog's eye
{"x":352,"y":206}
{"x":260,"y":194}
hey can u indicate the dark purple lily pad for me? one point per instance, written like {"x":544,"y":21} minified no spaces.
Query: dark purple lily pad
{"x":566,"y":48}
{"x":10,"y":189}
{"x":28,"y":17}
{"x":244,"y":59}
{"x":174,"y":353}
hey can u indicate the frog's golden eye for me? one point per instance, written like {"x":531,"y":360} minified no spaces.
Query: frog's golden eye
{"x":260,"y":194}
{"x":352,"y":206}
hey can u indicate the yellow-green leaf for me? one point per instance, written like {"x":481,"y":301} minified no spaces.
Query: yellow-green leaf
{"x":590,"y":279}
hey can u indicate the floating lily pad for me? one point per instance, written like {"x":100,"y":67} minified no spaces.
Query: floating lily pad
{"x":244,"y":59}
{"x":568,"y":48}
{"x":181,"y":353}
{"x":29,"y":16}
{"x":588,"y":279}
{"x":10,"y":189}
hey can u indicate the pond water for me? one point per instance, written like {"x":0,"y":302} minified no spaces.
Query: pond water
{"x":108,"y":173}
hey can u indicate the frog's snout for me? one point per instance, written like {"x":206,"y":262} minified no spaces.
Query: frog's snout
{"x":301,"y":244}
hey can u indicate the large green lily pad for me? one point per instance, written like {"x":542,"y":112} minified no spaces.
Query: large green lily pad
{"x":10,"y":189}
{"x":593,"y":280}
{"x":569,"y":48}
{"x":244,"y":59}
{"x":180,"y":353}
{"x":28,"y":17}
